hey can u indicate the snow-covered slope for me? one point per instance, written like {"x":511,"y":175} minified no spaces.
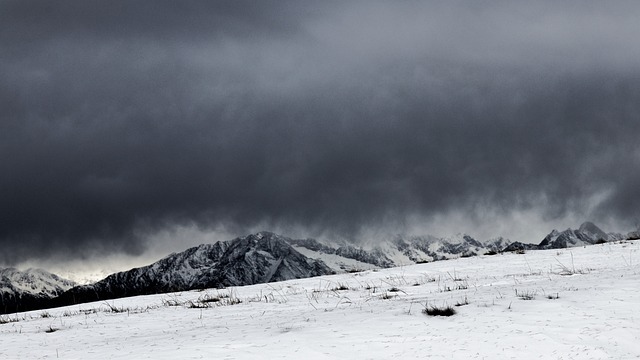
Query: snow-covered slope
{"x":30,"y":288}
{"x":578,"y":303}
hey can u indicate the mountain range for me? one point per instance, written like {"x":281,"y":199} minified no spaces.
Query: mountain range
{"x":265,"y":257}
{"x":587,"y":234}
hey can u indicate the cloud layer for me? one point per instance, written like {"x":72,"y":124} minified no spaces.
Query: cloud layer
{"x":123,"y":120}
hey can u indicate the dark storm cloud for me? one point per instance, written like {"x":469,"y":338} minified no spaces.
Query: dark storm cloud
{"x":122,"y":119}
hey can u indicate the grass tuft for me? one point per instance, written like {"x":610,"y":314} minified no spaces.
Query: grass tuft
{"x":439,"y":311}
{"x":341,"y":287}
{"x":116,"y":310}
{"x":197,"y":305}
{"x":386,"y":296}
{"x":526,"y":295}
{"x":51,"y":329}
{"x":209,"y":299}
{"x":463,"y":302}
{"x":8,"y":319}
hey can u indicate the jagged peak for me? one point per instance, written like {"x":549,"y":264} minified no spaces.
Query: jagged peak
{"x":8,"y":270}
{"x":588,"y":226}
{"x":33,"y":281}
{"x":260,"y":235}
{"x":31,"y":273}
{"x":265,"y":234}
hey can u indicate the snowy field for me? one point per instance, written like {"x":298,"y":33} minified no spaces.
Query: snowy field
{"x":580,"y":303}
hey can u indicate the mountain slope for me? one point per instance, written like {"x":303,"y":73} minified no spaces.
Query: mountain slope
{"x":29,"y":289}
{"x":266,"y":257}
{"x":257,"y":258}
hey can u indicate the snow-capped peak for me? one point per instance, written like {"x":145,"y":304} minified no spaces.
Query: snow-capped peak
{"x":590,"y":229}
{"x":35,"y":282}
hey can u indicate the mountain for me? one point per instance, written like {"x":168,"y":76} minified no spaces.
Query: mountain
{"x":257,"y":258}
{"x":587,"y":234}
{"x":29,"y":289}
{"x":399,"y":250}
{"x":267,"y":257}
{"x":253,"y":259}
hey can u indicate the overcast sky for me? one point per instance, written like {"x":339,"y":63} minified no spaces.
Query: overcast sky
{"x":137,"y":127}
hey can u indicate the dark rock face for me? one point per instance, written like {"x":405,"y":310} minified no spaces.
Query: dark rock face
{"x":262,"y":258}
{"x":590,"y":233}
{"x":518,"y":246}
{"x":258,"y":258}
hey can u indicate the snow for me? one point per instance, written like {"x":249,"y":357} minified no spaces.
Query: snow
{"x":593,"y":317}
{"x":399,"y":258}
{"x":335,"y":262}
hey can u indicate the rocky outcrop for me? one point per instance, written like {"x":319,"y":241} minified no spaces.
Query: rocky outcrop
{"x":519,"y":247}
